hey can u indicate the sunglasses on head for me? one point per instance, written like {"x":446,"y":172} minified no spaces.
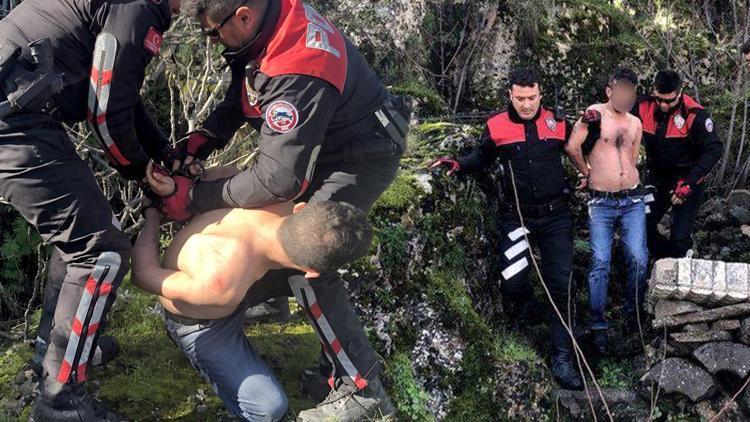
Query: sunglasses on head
{"x":213,"y":32}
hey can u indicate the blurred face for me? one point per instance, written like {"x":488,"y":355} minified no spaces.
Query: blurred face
{"x":234,"y":30}
{"x":526,"y":100}
{"x":622,"y":95}
{"x":667,"y":102}
{"x":747,"y":59}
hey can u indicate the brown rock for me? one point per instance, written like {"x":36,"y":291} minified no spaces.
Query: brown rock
{"x":704,"y":337}
{"x":666,"y":308}
{"x":696,"y":328}
{"x":710,"y":315}
{"x":726,"y":325}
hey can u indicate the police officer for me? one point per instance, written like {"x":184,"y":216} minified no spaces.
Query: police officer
{"x":89,"y":65}
{"x":328,"y":131}
{"x":528,"y":141}
{"x":682,"y":146}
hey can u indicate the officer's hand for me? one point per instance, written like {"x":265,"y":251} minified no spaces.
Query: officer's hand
{"x":159,"y":181}
{"x":453,"y":165}
{"x":681,"y":192}
{"x":172,"y":194}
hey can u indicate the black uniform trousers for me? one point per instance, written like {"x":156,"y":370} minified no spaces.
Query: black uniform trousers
{"x":42,"y":177}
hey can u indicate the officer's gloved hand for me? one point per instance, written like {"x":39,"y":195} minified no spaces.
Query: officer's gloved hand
{"x":169,"y":194}
{"x":453,"y":165}
{"x":681,"y":192}
{"x":191,"y":152}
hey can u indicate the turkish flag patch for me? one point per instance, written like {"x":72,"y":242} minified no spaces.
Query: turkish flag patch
{"x":153,"y":40}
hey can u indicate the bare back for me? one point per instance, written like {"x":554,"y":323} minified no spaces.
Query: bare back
{"x":218,"y":246}
{"x":613,"y":160}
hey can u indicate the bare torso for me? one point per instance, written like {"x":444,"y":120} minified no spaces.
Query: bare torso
{"x":613,"y":160}
{"x":218,"y":242}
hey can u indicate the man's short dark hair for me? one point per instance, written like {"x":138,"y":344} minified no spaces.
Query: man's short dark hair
{"x":215,"y":10}
{"x":324,"y":236}
{"x":745,"y":47}
{"x":524,"y":76}
{"x":667,"y":81}
{"x":623,"y":74}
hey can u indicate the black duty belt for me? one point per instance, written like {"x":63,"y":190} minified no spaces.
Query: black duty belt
{"x":184,"y":320}
{"x":542,"y":210}
{"x":623,"y":194}
{"x":395,"y":125}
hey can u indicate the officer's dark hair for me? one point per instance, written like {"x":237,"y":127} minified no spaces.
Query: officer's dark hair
{"x":324,"y":236}
{"x":216,"y":10}
{"x":667,"y":81}
{"x":524,"y":77}
{"x":745,"y":47}
{"x":625,"y":74}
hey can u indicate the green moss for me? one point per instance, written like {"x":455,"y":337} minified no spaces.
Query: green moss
{"x":399,"y":196}
{"x":510,"y":348}
{"x":13,"y":356}
{"x":409,"y":398}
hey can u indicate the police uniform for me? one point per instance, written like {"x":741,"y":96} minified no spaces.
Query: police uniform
{"x":530,"y":153}
{"x":681,"y":145}
{"x":102,"y":49}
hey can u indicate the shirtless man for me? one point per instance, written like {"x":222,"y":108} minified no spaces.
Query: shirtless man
{"x":209,"y":267}
{"x":609,"y":170}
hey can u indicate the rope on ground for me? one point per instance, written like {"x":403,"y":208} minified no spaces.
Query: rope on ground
{"x":552,"y":302}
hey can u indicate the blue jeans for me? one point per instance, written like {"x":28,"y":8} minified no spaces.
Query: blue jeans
{"x":221,"y":352}
{"x":605,"y":216}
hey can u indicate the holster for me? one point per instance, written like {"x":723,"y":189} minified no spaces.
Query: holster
{"x":28,"y":91}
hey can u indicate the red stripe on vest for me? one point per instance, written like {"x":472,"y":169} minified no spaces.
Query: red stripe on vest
{"x":306,"y":43}
{"x":647,"y":111}
{"x":504,"y":131}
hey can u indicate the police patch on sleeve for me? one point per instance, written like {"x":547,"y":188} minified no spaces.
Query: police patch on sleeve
{"x":709,"y":125}
{"x":281,"y":116}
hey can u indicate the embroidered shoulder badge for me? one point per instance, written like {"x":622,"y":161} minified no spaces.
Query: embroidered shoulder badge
{"x":282,"y":117}
{"x":709,"y":125}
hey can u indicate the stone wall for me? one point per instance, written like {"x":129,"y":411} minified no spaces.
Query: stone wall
{"x":703,"y":311}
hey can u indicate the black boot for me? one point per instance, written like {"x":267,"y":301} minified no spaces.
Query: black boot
{"x":275,"y":310}
{"x":71,"y":404}
{"x":600,"y":342}
{"x":562,"y":360}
